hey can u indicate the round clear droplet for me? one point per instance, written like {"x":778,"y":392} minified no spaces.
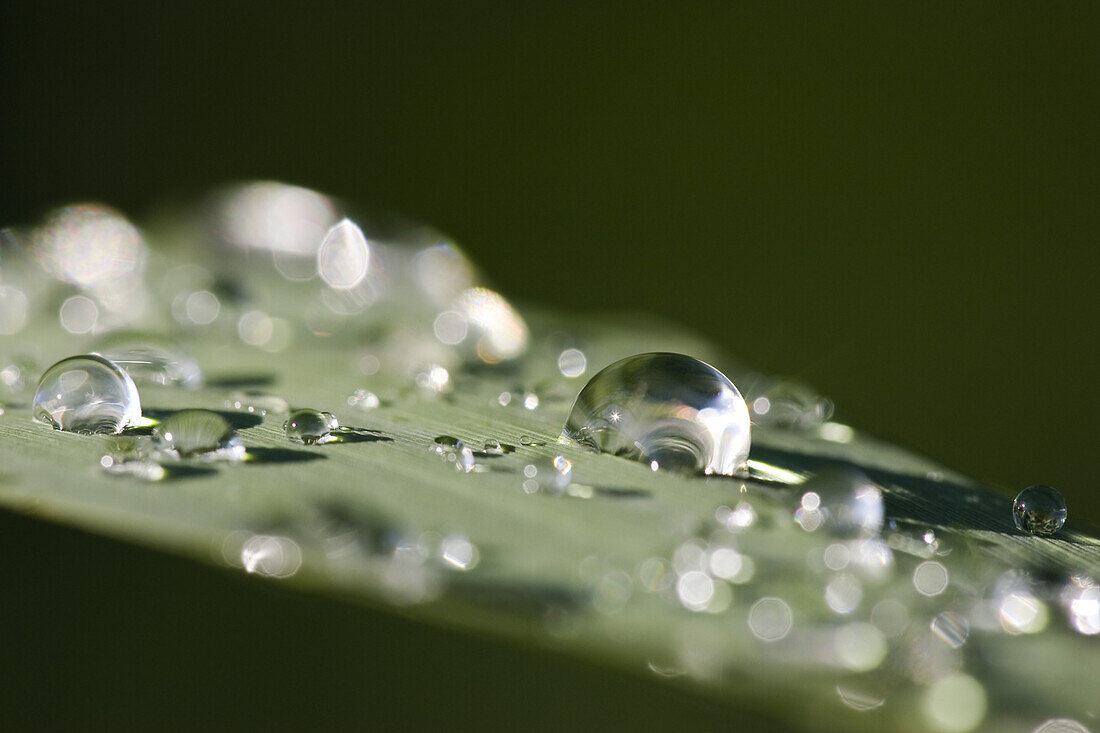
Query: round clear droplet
{"x":87,"y":394}
{"x":1039,"y":510}
{"x":311,"y":427}
{"x":670,"y":409}
{"x":198,"y":434}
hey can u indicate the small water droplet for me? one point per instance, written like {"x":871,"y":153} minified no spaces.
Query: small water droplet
{"x":434,"y":379}
{"x":363,"y":400}
{"x":344,"y":256}
{"x":504,"y":398}
{"x":142,"y":469}
{"x":87,"y":394}
{"x":494,"y":331}
{"x":458,"y":552}
{"x":14,"y":307}
{"x":789,"y":403}
{"x":531,"y":401}
{"x":311,"y":427}
{"x":1039,"y":510}
{"x":845,"y":501}
{"x":951,"y":628}
{"x":149,"y":361}
{"x":668,"y":408}
{"x":572,"y":363}
{"x":493,"y":448}
{"x":526,"y":440}
{"x":198,"y":434}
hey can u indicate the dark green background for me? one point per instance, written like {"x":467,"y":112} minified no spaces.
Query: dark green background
{"x":896,"y":202}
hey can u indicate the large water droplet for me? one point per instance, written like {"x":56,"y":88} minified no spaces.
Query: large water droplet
{"x":485,"y":325}
{"x":89,"y":245}
{"x":87,"y":394}
{"x":670,"y":409}
{"x":311,"y":427}
{"x":149,"y":361}
{"x":198,"y":434}
{"x":1039,"y":510}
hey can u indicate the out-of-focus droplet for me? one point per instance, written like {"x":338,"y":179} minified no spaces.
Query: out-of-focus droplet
{"x":844,"y":593}
{"x":275,"y":217}
{"x":199,"y":434}
{"x":695,"y":589}
{"x":954,"y":704}
{"x":770,"y":619}
{"x":789,"y":403}
{"x":495,"y":332}
{"x":87,"y":394}
{"x":151,"y":360}
{"x":79,"y":314}
{"x":554,"y":477}
{"x":952,"y":628}
{"x":1039,"y":510}
{"x":572,"y":363}
{"x":145,"y":470}
{"x":197,"y":308}
{"x":258,"y":329}
{"x":1081,"y":597}
{"x":363,"y":400}
{"x":442,"y":272}
{"x":458,"y":552}
{"x":14,"y":307}
{"x":930,"y":578}
{"x":89,"y":245}
{"x":1061,"y":725}
{"x":434,"y":379}
{"x":668,"y":408}
{"x":344,"y":256}
{"x":311,"y":427}
{"x":847,"y":502}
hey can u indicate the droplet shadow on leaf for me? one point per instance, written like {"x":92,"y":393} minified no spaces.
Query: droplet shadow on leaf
{"x":281,"y":455}
{"x":614,"y":492}
{"x":172,"y":473}
{"x":240,"y":381}
{"x":347,"y":434}
{"x":237,"y":420}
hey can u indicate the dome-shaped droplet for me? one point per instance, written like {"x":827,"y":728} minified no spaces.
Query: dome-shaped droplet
{"x":844,"y":500}
{"x":668,"y":410}
{"x":151,"y":360}
{"x":198,"y":434}
{"x":484,"y":325}
{"x":311,"y":427}
{"x":87,"y":394}
{"x":1039,"y":510}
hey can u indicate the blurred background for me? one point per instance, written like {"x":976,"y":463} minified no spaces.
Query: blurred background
{"x":896,"y":203}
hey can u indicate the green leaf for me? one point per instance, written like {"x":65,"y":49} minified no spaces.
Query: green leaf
{"x":589,"y":574}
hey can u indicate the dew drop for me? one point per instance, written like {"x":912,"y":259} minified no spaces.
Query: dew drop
{"x":493,"y":448}
{"x":845,"y":501}
{"x":526,"y":440}
{"x":789,"y":403}
{"x":14,"y":307}
{"x":1039,"y":510}
{"x":669,"y":408}
{"x":572,"y":363}
{"x":311,"y":427}
{"x":363,"y":400}
{"x":87,"y":394}
{"x":198,"y":434}
{"x":150,"y":361}
{"x":493,"y":332}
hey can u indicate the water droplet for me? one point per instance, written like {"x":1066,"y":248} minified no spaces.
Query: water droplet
{"x":930,"y":578}
{"x":149,"y":361}
{"x":695,"y":589}
{"x":89,"y":245}
{"x":257,"y":404}
{"x":276,"y":217}
{"x":1061,"y":725}
{"x":770,"y":619}
{"x":572,"y":363}
{"x":556,"y":477}
{"x":789,"y":403}
{"x":344,"y":256}
{"x":844,"y":593}
{"x":457,"y":551}
{"x":14,"y":307}
{"x":954,"y":704}
{"x":87,"y":394}
{"x":78,"y":314}
{"x":493,"y":448}
{"x":951,"y":628}
{"x":504,"y":398}
{"x":198,"y":434}
{"x":668,"y":408}
{"x":1039,"y":510}
{"x":847,"y":502}
{"x":526,"y":440}
{"x":145,"y":470}
{"x":434,"y":380}
{"x":311,"y":427}
{"x":363,"y":400}
{"x":494,"y":331}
